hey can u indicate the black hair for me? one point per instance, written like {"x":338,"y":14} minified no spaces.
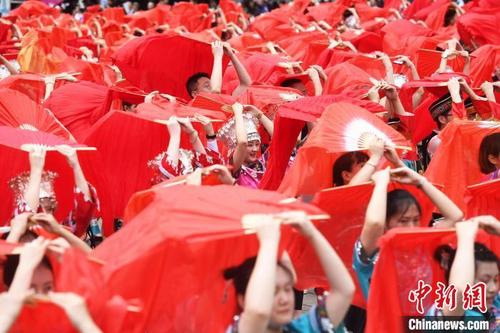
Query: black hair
{"x":290,"y":82}
{"x":193,"y":81}
{"x":10,"y":266}
{"x":346,"y":14}
{"x":490,"y":145}
{"x":398,"y":202}
{"x":445,"y":255}
{"x":345,"y":163}
{"x":441,"y":107}
{"x":449,"y":16}
{"x":241,"y":274}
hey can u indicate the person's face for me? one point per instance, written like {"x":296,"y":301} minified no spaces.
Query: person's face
{"x":444,"y":120}
{"x":202,"y":86}
{"x":409,"y":219}
{"x":284,"y":299}
{"x":300,"y":87}
{"x":487,"y":272}
{"x":495,"y":160}
{"x":48,"y":205}
{"x":347,"y":175}
{"x":253,"y":148}
{"x":42,"y":281}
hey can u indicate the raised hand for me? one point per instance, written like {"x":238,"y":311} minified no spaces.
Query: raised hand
{"x":406,"y":175}
{"x":37,"y":157}
{"x":217,"y":49}
{"x":70,"y":154}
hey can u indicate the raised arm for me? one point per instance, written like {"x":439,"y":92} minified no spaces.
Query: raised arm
{"x":259,"y":295}
{"x":32,"y":192}
{"x":376,"y":149}
{"x":8,"y":65}
{"x":451,"y":213}
{"x":216,"y":77}
{"x":374,"y":225}
{"x":340,"y":282}
{"x":261,"y":116}
{"x":80,"y":180}
{"x":174,"y":143}
{"x":49,"y":223}
{"x":194,"y":138}
{"x":240,"y":151}
{"x":76,"y":309}
{"x":30,"y":256}
{"x":462,"y":269}
{"x":243,"y":76}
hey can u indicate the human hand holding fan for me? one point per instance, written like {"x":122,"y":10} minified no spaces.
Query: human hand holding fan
{"x":359,"y":135}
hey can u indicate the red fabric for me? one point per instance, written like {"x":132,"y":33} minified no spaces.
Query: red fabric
{"x":193,"y":232}
{"x":31,"y":85}
{"x":483,"y":199}
{"x":262,"y":68}
{"x":213,"y":102}
{"x":332,"y":135}
{"x":164,"y":62}
{"x":296,"y":45}
{"x":483,"y":63}
{"x":268,"y":98}
{"x":17,"y":109}
{"x":330,"y":12}
{"x":480,"y":26}
{"x":126,"y":143}
{"x":455,"y":164}
{"x":406,"y":256}
{"x":405,"y":37}
{"x":415,"y":7}
{"x":86,"y":107}
{"x":347,"y":79}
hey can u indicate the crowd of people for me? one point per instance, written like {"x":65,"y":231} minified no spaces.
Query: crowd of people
{"x":201,"y":167}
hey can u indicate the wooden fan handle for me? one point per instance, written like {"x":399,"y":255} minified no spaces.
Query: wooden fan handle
{"x":403,"y":148}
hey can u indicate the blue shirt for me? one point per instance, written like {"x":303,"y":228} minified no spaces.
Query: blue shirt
{"x":363,"y":265}
{"x":316,"y":320}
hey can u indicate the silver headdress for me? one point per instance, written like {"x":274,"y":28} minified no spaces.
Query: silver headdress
{"x":227,"y":133}
{"x":19,"y":183}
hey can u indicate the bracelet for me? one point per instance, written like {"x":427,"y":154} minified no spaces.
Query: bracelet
{"x":371,"y":164}
{"x":211,"y":137}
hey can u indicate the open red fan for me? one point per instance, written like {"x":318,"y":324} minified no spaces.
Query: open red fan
{"x":343,"y":127}
{"x":27,"y":136}
{"x":455,"y":163}
{"x":185,"y":237}
{"x":427,"y":62}
{"x":18,"y":110}
{"x":164,"y":62}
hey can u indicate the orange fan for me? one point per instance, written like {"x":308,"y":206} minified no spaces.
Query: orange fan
{"x":18,"y":110}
